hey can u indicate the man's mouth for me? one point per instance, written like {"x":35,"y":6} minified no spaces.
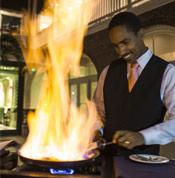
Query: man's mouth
{"x":127,"y":56}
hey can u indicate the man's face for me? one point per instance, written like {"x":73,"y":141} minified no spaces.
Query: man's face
{"x":127,"y":44}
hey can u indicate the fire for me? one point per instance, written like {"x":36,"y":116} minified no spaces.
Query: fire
{"x":58,"y":130}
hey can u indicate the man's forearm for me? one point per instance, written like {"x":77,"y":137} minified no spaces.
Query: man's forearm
{"x":162,"y":133}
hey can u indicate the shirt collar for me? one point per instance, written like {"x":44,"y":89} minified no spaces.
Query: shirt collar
{"x":144,"y":59}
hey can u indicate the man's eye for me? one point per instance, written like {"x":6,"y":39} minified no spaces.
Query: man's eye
{"x":125,"y":42}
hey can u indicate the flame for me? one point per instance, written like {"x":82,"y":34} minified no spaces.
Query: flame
{"x":58,"y":130}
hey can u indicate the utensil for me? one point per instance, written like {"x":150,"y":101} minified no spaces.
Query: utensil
{"x":95,"y":145}
{"x":104,"y":144}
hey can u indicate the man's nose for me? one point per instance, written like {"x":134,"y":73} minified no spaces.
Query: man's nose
{"x":121,"y":50}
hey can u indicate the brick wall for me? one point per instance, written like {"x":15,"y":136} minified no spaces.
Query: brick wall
{"x":96,"y":45}
{"x":162,"y":15}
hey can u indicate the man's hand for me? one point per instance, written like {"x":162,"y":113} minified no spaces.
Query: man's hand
{"x":128,"y":139}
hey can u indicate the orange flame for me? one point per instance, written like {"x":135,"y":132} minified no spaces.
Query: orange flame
{"x":58,"y":130}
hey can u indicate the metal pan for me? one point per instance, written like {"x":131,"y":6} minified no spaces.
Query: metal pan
{"x":59,"y":164}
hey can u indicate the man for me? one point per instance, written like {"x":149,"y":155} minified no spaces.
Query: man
{"x":133,"y":115}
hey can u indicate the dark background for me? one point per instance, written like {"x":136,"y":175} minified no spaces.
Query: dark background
{"x":20,"y":5}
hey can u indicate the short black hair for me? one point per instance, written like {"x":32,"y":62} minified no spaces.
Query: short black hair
{"x":128,"y":19}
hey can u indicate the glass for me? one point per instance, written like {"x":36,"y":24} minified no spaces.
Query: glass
{"x":10,"y":20}
{"x":8,"y":97}
{"x":162,"y":50}
{"x":84,"y":71}
{"x":87,"y":68}
{"x":162,"y":45}
{"x":93,"y":88}
{"x":73,"y":94}
{"x":83,"y":96}
{"x":92,"y":69}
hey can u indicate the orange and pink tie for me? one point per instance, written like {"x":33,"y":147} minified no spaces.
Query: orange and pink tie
{"x":133,"y":75}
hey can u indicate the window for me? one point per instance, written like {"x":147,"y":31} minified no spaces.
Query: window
{"x":80,"y":87}
{"x":10,"y":21}
{"x":9,"y":81}
{"x":87,"y":68}
{"x":84,"y":86}
{"x":161,"y":40}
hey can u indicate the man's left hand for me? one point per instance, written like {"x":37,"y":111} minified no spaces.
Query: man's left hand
{"x":128,"y":139}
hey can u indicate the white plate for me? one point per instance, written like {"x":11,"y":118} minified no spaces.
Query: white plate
{"x":146,"y":158}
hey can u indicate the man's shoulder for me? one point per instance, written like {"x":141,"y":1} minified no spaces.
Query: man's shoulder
{"x":159,"y":60}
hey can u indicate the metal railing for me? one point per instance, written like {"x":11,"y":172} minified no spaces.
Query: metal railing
{"x":107,"y":7}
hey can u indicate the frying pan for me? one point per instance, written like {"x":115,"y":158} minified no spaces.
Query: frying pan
{"x":59,"y":164}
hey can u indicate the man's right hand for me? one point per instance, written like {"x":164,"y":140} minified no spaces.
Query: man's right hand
{"x":128,"y":139}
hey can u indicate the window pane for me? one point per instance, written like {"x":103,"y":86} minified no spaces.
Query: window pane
{"x":161,"y":40}
{"x":83,"y":96}
{"x":83,"y":93}
{"x":8,"y":97}
{"x":165,"y":46}
{"x":87,"y":68}
{"x":73,"y":94}
{"x":93,"y":87}
{"x":35,"y":80}
{"x":84,"y":71}
{"x":92,"y":69}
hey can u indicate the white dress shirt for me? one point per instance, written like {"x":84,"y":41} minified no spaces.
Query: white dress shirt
{"x":164,"y":132}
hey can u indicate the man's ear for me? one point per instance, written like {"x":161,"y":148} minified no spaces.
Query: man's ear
{"x":140,"y":32}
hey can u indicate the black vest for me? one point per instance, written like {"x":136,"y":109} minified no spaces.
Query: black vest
{"x":137,"y":110}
